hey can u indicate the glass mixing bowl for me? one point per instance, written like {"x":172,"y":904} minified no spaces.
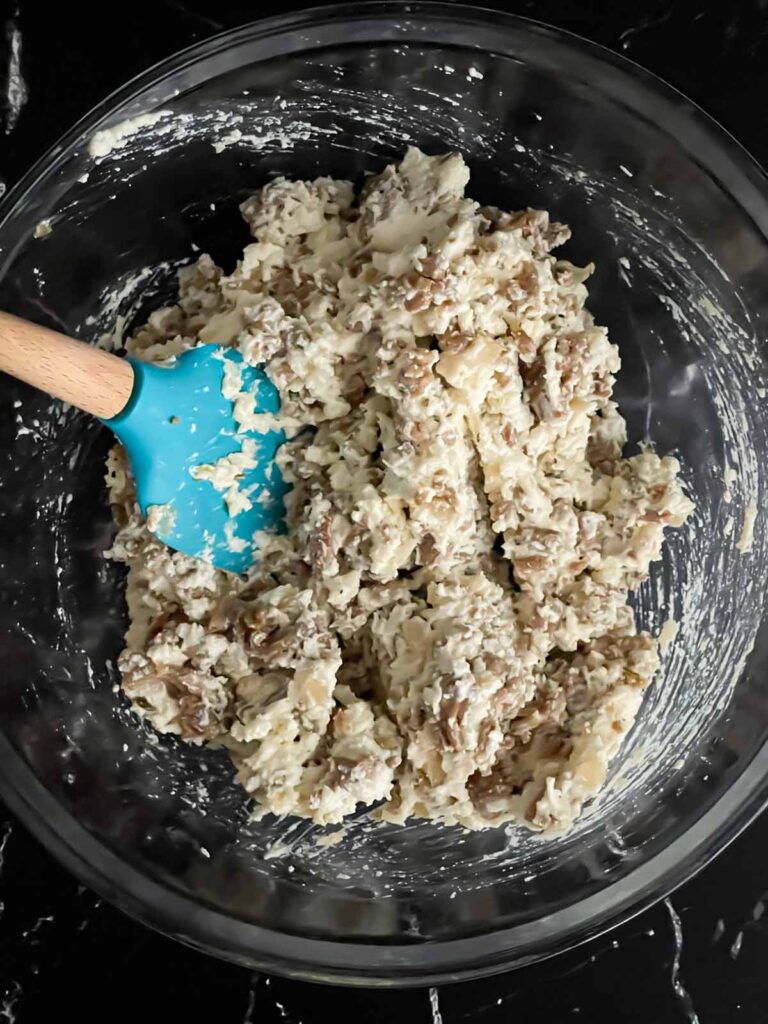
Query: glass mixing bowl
{"x":674,"y":215}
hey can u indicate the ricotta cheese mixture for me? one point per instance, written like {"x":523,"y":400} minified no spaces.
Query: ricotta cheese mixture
{"x":443,"y":631}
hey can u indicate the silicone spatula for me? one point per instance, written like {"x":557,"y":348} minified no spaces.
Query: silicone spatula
{"x":175,"y":424}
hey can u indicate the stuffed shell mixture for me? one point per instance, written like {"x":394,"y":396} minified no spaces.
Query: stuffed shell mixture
{"x":443,"y":631}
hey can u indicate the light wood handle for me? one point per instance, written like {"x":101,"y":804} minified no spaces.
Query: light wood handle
{"x":86,"y":377}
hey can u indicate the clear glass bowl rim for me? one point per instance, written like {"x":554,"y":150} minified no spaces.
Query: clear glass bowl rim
{"x":409,"y":964}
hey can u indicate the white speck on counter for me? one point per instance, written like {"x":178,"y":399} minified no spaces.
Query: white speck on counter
{"x":625,"y":262}
{"x":43,"y":229}
{"x":8,"y":1006}
{"x":7,"y":830}
{"x":748,"y":529}
{"x":33,"y":929}
{"x":681,"y":992}
{"x":474,"y":73}
{"x":284,"y":1015}
{"x":103,"y":142}
{"x":434,"y":1005}
{"x":626,"y":170}
{"x":248,"y":1018}
{"x":16,"y":88}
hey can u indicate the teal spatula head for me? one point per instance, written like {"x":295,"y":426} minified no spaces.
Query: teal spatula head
{"x":205,"y":485}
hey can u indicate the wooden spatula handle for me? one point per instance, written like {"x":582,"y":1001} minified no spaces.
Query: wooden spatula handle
{"x":84,"y":376}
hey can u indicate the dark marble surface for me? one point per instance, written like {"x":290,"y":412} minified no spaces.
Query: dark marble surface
{"x":700,"y":955}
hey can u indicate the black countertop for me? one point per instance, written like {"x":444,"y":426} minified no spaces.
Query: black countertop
{"x":700,"y":955}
